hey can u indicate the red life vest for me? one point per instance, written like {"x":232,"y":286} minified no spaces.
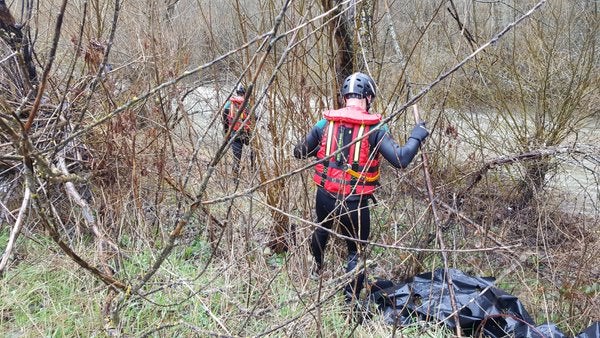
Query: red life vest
{"x":353,"y":170}
{"x":236,"y":103}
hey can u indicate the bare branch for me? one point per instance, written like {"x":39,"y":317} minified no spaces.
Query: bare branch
{"x":14,"y":234}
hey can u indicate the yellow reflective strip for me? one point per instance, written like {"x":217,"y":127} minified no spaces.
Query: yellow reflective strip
{"x":362,"y":177}
{"x":329,"y":138}
{"x":361,"y":130}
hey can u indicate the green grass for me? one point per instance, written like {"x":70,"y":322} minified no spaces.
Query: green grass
{"x":47,"y":299}
{"x":48,"y":295}
{"x":4,"y":235}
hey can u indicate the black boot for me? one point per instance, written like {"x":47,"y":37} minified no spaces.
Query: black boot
{"x":352,"y":290}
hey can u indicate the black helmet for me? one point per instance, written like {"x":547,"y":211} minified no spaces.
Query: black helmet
{"x":240,"y":90}
{"x":359,"y":83}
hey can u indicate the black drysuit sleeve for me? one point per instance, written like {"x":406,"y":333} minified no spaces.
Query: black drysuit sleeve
{"x":311,"y":144}
{"x":398,"y":156}
{"x":225,"y":118}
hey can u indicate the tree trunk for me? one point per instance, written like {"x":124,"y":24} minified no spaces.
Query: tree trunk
{"x":342,"y":45}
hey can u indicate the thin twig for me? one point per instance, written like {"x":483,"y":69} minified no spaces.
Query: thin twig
{"x":15,"y":231}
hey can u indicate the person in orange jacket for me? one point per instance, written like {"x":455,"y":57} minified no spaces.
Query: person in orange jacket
{"x":347,"y":173}
{"x":240,"y":130}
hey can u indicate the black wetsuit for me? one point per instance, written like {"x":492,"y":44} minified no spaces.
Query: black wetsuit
{"x":352,"y":211}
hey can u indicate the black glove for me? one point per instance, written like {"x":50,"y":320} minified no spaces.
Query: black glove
{"x":419,"y":132}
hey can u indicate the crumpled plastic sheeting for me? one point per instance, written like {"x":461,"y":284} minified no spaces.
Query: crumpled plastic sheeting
{"x":484,"y":308}
{"x":593,"y":331}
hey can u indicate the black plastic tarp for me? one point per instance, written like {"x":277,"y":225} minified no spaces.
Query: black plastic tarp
{"x":483,"y":308}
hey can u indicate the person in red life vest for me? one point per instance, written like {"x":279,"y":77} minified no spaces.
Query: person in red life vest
{"x":348,"y":173}
{"x":239,"y":129}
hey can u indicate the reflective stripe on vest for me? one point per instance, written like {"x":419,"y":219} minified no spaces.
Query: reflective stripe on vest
{"x":329,"y":138}
{"x":361,"y":131}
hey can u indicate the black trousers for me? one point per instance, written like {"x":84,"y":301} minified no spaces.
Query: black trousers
{"x":237,"y":145}
{"x":355,"y":222}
